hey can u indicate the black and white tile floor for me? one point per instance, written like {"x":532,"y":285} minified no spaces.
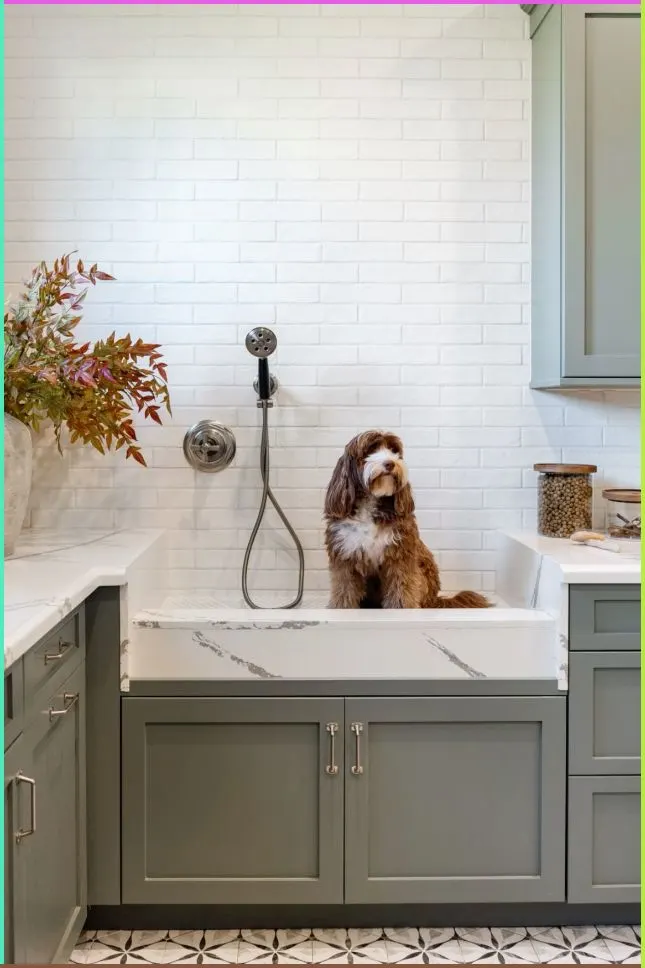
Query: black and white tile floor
{"x":369,"y":946}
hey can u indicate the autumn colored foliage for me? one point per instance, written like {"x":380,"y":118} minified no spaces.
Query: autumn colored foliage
{"x":92,"y":389}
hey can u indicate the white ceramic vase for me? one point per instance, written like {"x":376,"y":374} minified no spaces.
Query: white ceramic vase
{"x":18,"y":458}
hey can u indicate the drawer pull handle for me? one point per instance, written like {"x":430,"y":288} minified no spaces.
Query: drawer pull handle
{"x":27,"y":832}
{"x":357,"y":729}
{"x":332,"y":767}
{"x":69,"y":699}
{"x":57,"y":656}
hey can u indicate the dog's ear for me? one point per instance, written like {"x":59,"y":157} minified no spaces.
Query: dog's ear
{"x":404,"y":502}
{"x":344,"y":489}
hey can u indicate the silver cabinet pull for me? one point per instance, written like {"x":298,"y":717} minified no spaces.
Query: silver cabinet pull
{"x":332,"y":768}
{"x":69,"y":700}
{"x":27,"y":832}
{"x":357,"y":729}
{"x":57,"y":656}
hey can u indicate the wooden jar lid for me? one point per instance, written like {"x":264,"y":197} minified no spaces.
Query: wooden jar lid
{"x":624,"y":495}
{"x":565,"y":468}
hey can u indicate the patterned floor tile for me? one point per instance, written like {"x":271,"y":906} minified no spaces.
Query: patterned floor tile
{"x":334,"y":937}
{"x":628,"y":934}
{"x":603,"y":945}
{"x":408,"y":936}
{"x":398,"y":953}
{"x":619,"y":951}
{"x":448,"y":951}
{"x":224,"y":954}
{"x":359,"y":937}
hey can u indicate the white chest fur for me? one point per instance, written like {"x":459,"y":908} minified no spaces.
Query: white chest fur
{"x":361,"y":535}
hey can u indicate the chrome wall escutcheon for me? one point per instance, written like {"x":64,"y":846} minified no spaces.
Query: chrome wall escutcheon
{"x":332,"y":768}
{"x":357,"y":729}
{"x":209,"y":446}
{"x":273,"y":384}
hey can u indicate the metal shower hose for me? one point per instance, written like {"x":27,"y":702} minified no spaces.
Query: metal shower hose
{"x":267,"y":495}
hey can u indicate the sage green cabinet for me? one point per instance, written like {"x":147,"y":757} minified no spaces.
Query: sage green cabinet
{"x":604,"y":713}
{"x":604,"y":745}
{"x":19,"y":804}
{"x":585,"y":254}
{"x":458,"y":799}
{"x":604,"y":839}
{"x":45,"y":852}
{"x":605,"y":618}
{"x":229,"y":801}
{"x":455,"y":800}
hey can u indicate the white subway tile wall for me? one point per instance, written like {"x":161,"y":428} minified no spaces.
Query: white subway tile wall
{"x":357,"y":177}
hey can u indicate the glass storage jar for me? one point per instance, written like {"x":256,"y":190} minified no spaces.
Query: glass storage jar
{"x":564,"y":498}
{"x":623,"y":512}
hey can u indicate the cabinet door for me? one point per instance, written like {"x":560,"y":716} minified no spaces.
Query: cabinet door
{"x":605,"y":617}
{"x":604,"y":839}
{"x":54,"y":857}
{"x":230,"y":801}
{"x":604,"y":712}
{"x":455,"y":800}
{"x":19,"y":815}
{"x":601,"y":225}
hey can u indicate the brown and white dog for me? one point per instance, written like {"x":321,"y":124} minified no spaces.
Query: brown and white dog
{"x":376,"y":557}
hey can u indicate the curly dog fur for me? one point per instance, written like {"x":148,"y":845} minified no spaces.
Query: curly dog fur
{"x":376,"y":557}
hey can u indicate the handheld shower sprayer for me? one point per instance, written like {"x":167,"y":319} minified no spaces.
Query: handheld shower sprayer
{"x":261,"y":343}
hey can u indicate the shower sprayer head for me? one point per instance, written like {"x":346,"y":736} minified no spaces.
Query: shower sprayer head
{"x":261,"y":342}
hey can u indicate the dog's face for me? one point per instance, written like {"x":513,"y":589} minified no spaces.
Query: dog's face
{"x":379,"y":458}
{"x":372,"y":464}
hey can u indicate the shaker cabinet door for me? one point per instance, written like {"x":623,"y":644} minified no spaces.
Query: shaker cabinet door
{"x":232,"y":801}
{"x":19,"y":814}
{"x":604,"y":713}
{"x":455,"y":800}
{"x":604,"y":839}
{"x":55,"y":856}
{"x":601,"y":122}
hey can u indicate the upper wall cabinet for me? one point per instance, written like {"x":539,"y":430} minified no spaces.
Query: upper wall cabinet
{"x":585,"y":329}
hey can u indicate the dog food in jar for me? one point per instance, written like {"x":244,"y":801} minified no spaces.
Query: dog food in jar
{"x":623,"y":515}
{"x":564,"y":498}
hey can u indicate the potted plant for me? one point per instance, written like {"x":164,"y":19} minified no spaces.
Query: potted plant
{"x":50,"y":378}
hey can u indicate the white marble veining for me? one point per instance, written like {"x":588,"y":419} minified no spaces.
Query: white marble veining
{"x":206,"y":640}
{"x":535,"y":572}
{"x":215,"y":637}
{"x":52,"y":572}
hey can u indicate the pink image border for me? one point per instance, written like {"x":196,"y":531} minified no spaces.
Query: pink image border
{"x":295,"y":3}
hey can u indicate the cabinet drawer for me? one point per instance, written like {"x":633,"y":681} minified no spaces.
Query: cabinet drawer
{"x":604,"y":839}
{"x":14,"y":698}
{"x":604,"y":617}
{"x":50,"y":662}
{"x":604,"y":713}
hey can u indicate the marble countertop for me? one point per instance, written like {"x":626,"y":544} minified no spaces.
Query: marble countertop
{"x":436,"y":647}
{"x":52,"y":572}
{"x":579,"y":564}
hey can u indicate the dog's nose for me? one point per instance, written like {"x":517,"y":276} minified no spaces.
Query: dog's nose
{"x":388,"y":466}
